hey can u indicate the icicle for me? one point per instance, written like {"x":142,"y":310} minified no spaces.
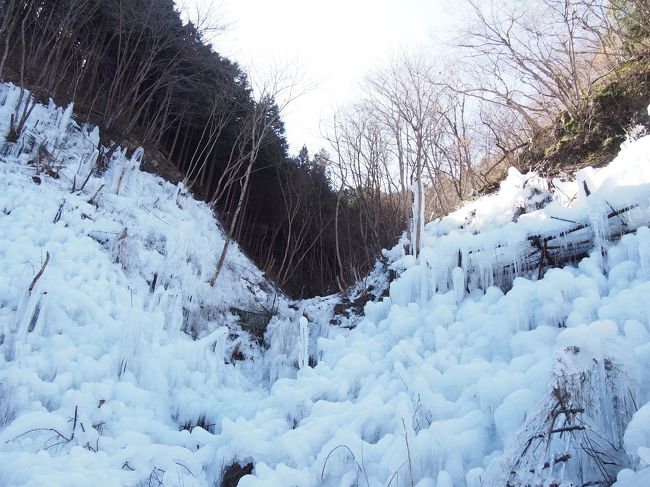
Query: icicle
{"x":118,"y":175}
{"x":171,"y":306}
{"x":27,"y":313}
{"x":418,"y":217}
{"x":512,"y":256}
{"x":643,"y":241}
{"x":524,"y":315}
{"x":127,"y":169}
{"x":405,"y":290}
{"x":180,"y":191}
{"x":433,"y":273}
{"x":425,"y":272}
{"x":458,"y":280}
{"x":414,"y":220}
{"x":594,"y":220}
{"x":448,"y":262}
{"x":129,"y":345}
{"x":37,"y":324}
{"x":599,"y":226}
{"x":30,"y":320}
{"x":64,"y":121}
{"x":215,"y":342}
{"x":303,"y":352}
{"x":282,"y":337}
{"x":136,"y":159}
{"x":93,"y":137}
{"x":486,"y":264}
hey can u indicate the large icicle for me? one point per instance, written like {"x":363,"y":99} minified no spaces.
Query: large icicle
{"x":303,"y":356}
{"x":458,"y":279}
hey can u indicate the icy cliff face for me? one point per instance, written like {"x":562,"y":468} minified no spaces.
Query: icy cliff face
{"x":484,"y":366}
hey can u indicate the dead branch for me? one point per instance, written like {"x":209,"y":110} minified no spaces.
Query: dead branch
{"x":40,"y":273}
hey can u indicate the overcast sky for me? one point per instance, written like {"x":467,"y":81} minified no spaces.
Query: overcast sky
{"x":334,"y":44}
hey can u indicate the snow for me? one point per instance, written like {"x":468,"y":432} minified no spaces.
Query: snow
{"x":118,"y":367}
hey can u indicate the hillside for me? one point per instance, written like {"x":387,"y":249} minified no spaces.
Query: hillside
{"x":121,"y":365}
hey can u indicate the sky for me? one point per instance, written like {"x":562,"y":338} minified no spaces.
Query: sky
{"x":331,"y":45}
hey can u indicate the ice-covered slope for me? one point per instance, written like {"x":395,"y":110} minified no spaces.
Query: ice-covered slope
{"x":448,"y":381}
{"x":97,"y":355}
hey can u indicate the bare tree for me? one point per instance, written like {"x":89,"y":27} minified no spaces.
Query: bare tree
{"x":11,"y":13}
{"x":407,"y":100}
{"x":273,"y":95}
{"x":41,"y":38}
{"x":220,"y":115}
{"x":366,"y":179}
{"x":536,"y":59}
{"x":205,"y":15}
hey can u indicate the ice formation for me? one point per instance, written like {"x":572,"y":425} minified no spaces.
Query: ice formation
{"x":487,"y":363}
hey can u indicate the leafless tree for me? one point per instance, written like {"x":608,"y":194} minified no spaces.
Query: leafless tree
{"x":220,"y":115}
{"x":366,"y":178}
{"x":41,"y":38}
{"x":206,"y":15}
{"x":406,"y":97}
{"x":536,"y":58}
{"x":274,"y":93}
{"x":11,"y":13}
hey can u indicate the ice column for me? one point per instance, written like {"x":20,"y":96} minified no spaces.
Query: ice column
{"x":303,"y":353}
{"x":458,"y":280}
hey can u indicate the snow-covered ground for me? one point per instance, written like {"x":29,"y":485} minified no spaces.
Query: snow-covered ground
{"x":118,"y":366}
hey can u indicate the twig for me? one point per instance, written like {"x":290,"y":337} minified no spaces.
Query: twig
{"x":363,"y":466}
{"x":558,"y":459}
{"x":86,"y":180}
{"x":577,"y":427}
{"x":40,"y":273}
{"x":88,"y":446}
{"x":74,"y":422}
{"x":152,"y":213}
{"x":91,"y":201}
{"x":392,"y":477}
{"x":57,"y":217}
{"x":408,"y":449}
{"x":185,"y":467}
{"x":62,"y":442}
{"x":564,"y":220}
{"x":55,"y":431}
{"x":322,"y":473}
